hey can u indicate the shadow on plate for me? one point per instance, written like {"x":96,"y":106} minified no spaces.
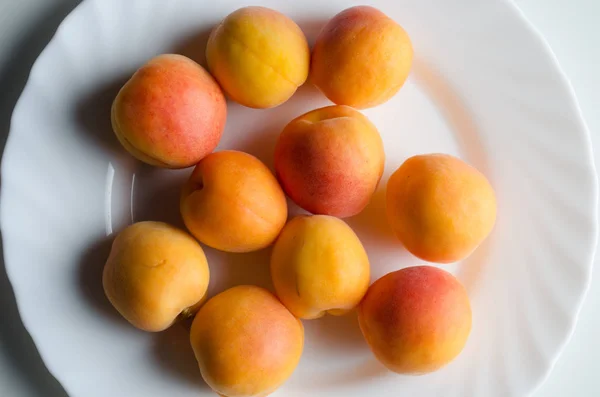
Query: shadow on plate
{"x":470,"y":268}
{"x":371,"y":224}
{"x":339,"y":335}
{"x":369,"y":369}
{"x":17,"y":346}
{"x":260,"y":138}
{"x":90,"y":280}
{"x":261,"y":143}
{"x":92,"y":114}
{"x":156,"y":195}
{"x":194,"y":46}
{"x":238,"y":269}
{"x":173,"y":353}
{"x":311,"y":28}
{"x":336,"y":334}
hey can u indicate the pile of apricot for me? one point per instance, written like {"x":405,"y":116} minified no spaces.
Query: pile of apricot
{"x":329,"y":161}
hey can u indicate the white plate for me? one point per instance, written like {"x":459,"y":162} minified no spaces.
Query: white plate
{"x":485,"y":87}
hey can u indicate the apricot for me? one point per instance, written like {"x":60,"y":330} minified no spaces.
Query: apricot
{"x":171,"y":113}
{"x":440,"y":208}
{"x":155,"y":273}
{"x":259,"y":56}
{"x":416,"y":320}
{"x":361,"y":58}
{"x":232,"y":202}
{"x":330,"y":160}
{"x":246,"y":342}
{"x":319,"y":266}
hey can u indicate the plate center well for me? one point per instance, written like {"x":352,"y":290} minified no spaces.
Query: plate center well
{"x":425,"y":117}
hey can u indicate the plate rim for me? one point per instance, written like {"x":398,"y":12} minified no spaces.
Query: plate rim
{"x":564,"y":82}
{"x":574,"y":103}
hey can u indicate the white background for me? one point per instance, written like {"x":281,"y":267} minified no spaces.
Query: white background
{"x":571,"y":27}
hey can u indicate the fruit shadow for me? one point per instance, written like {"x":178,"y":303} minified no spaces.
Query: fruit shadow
{"x":172,"y":352}
{"x":232,"y":269}
{"x":335,"y":334}
{"x":156,"y":195}
{"x":311,"y":28}
{"x":470,"y":268}
{"x":256,"y":131}
{"x":368,"y":369}
{"x":261,"y":143}
{"x":90,"y":270}
{"x":194,"y":45}
{"x":92,"y":114}
{"x":340,"y":335}
{"x":371,"y":224}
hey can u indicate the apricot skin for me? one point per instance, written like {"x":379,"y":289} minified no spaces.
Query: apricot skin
{"x":416,"y":320}
{"x":361,"y":58}
{"x":232,"y":202}
{"x":154,"y":274}
{"x":170,"y":114}
{"x":330,"y":161}
{"x":319,"y":265}
{"x":440,"y":208}
{"x":259,"y":56}
{"x":246,"y":342}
